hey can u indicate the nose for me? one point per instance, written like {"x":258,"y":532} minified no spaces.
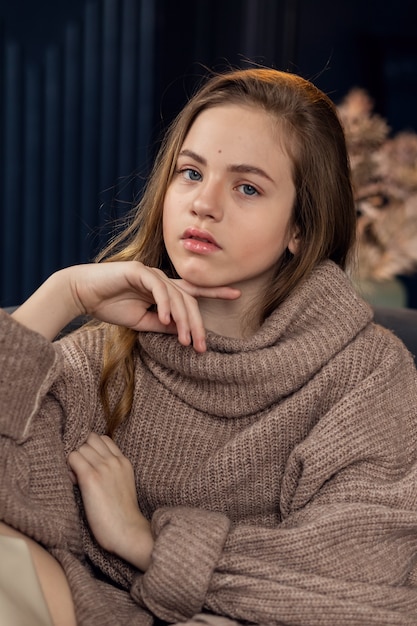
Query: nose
{"x":207,"y":202}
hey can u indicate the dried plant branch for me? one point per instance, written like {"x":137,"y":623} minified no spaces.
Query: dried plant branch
{"x":384,"y":175}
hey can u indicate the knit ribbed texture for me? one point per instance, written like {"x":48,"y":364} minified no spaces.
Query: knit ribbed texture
{"x":280,"y":472}
{"x":182,"y":528}
{"x":20,"y":402}
{"x":239,"y":377}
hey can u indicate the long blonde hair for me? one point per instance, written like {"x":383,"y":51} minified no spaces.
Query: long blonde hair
{"x":323,"y":213}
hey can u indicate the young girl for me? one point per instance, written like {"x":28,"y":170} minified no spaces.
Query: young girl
{"x":237,"y":438}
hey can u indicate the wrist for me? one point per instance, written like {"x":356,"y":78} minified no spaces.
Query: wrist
{"x":137,"y":546}
{"x":51,"y":307}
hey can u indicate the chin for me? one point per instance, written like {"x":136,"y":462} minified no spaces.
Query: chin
{"x":197,"y":276}
{"x":199,"y":281}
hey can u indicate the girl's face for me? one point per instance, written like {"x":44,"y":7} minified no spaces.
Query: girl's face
{"x":227,"y":211}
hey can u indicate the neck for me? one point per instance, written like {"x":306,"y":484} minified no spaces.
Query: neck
{"x":230,"y":318}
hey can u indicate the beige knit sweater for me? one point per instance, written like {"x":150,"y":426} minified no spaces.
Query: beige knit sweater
{"x":280,"y":472}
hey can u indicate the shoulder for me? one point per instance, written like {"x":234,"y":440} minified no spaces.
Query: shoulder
{"x":376,"y":360}
{"x":402,"y":322}
{"x":389,"y":345}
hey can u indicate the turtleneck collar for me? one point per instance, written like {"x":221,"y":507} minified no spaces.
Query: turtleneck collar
{"x":238,"y":377}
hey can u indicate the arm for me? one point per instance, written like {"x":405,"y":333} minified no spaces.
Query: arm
{"x":39,"y":395}
{"x":28,"y":366}
{"x":51,"y":307}
{"x":120,"y":293}
{"x":31,"y":450}
{"x":345,"y":550}
{"x":47,"y":406}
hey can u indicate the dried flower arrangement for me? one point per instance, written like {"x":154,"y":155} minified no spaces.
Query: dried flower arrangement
{"x":384,"y":172}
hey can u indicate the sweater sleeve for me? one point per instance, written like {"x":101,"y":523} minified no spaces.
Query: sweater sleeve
{"x":345,"y":549}
{"x":36,"y":493}
{"x":28,"y":365}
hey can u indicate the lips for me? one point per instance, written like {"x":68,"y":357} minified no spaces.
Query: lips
{"x":199,"y":242}
{"x":200,"y":235}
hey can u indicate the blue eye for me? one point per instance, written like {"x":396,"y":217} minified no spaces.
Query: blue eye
{"x":249,"y":190}
{"x":191,"y":174}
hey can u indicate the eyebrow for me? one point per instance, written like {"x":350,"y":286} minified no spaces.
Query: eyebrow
{"x":242,"y":168}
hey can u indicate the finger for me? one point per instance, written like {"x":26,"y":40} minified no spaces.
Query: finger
{"x":111,"y":446}
{"x":96,"y":443}
{"x":173,"y":303}
{"x":90,"y":453}
{"x":72,"y":476}
{"x":223,"y":293}
{"x":196,"y":325}
{"x":78,"y":464}
{"x":151,"y":323}
{"x":89,"y":459}
{"x":185,"y":313}
{"x":156,"y":282}
{"x":180,"y":315}
{"x":177,"y":310}
{"x":190,"y":326}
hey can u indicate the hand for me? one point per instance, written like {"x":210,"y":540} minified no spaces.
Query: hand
{"x":107,"y":484}
{"x":121,"y":293}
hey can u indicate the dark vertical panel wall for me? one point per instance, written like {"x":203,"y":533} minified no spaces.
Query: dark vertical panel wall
{"x":12,"y":160}
{"x":83,"y":86}
{"x":71,"y":126}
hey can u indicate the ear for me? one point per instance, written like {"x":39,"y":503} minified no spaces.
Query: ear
{"x":294,"y":240}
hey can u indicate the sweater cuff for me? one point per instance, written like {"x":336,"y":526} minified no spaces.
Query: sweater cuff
{"x":28,"y":366}
{"x":188,"y":545}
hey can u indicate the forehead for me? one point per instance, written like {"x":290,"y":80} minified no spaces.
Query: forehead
{"x":236,"y":128}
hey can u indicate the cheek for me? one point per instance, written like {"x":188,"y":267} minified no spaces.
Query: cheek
{"x":170,"y":230}
{"x":263,"y":243}
{"x":166,"y":218}
{"x":170,"y":210}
